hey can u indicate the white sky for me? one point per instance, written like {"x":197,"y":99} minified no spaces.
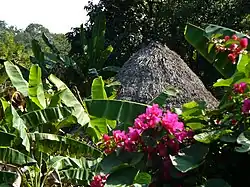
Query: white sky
{"x":59,"y":16}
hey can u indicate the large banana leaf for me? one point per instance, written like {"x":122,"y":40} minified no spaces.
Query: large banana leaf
{"x":64,"y":146}
{"x":75,"y":175}
{"x":16,"y":78}
{"x":50,"y":44}
{"x":59,"y":163}
{"x":6,"y":138}
{"x":68,"y":98}
{"x":123,"y":111}
{"x":199,"y":39}
{"x":21,"y":128}
{"x":14,"y":157}
{"x":35,"y":90}
{"x":48,"y":115}
{"x":98,"y":89}
{"x":99,"y":126}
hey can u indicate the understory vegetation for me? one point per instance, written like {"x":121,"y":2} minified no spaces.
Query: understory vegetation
{"x":61,"y":123}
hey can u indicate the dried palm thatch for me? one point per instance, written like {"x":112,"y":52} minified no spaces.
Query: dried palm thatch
{"x":149,"y":71}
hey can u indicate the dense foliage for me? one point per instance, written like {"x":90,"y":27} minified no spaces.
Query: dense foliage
{"x":16,"y":43}
{"x":133,"y":24}
{"x":73,"y":132}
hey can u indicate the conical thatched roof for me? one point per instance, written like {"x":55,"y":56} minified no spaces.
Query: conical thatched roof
{"x":149,"y":71}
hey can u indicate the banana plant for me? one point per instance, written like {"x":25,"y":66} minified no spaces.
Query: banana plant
{"x":35,"y":150}
{"x":81,"y":68}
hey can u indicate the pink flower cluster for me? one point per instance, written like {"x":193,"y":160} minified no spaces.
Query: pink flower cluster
{"x":240,"y":88}
{"x":235,"y":49}
{"x":98,"y":181}
{"x":246,"y":106}
{"x":153,"y":118}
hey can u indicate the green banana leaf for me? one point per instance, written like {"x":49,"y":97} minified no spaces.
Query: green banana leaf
{"x":48,"y":115}
{"x":59,"y":163}
{"x":98,"y":89}
{"x":36,"y":93}
{"x":123,"y":111}
{"x":64,"y":146}
{"x":6,"y":138}
{"x":19,"y":125}
{"x":14,"y":157}
{"x":199,"y":39}
{"x":16,"y":78}
{"x":68,"y":98}
{"x":77,"y":176}
{"x":49,"y":43}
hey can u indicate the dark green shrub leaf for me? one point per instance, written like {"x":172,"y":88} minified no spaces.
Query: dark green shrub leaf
{"x":208,"y":137}
{"x":142,"y":178}
{"x":122,"y":176}
{"x":189,"y":158}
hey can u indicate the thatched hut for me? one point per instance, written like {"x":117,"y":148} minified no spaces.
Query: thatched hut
{"x":149,"y":71}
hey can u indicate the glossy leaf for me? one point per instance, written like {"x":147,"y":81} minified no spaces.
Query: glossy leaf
{"x":195,"y":125}
{"x":122,"y":176}
{"x":68,"y":98}
{"x":36,"y":93}
{"x":189,"y":158}
{"x":16,"y":78}
{"x":244,"y":141}
{"x":242,"y":64}
{"x":142,"y":178}
{"x":210,"y":136}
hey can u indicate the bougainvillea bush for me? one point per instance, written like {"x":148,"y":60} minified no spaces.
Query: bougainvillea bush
{"x":191,"y":146}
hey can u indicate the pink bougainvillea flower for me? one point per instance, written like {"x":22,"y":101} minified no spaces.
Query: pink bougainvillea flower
{"x":119,"y":137}
{"x":98,"y":181}
{"x":232,"y":57}
{"x":246,"y":106}
{"x":233,"y":47}
{"x":244,"y":42}
{"x":154,"y":110}
{"x":226,"y":38}
{"x":240,"y":88}
{"x":170,"y":122}
{"x":106,"y":137}
{"x":149,"y":119}
{"x":169,"y":119}
{"x":234,"y":37}
{"x":133,"y":134}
